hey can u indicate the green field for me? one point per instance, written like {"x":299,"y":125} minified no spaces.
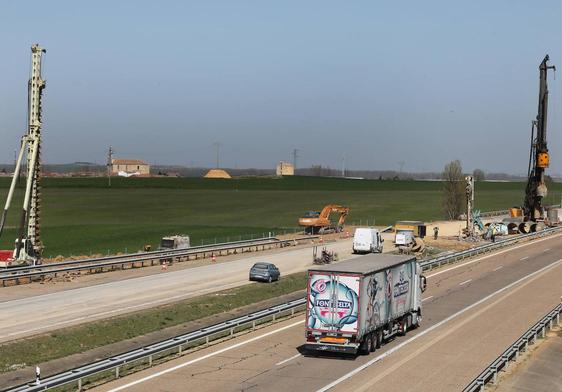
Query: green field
{"x":84,"y":216}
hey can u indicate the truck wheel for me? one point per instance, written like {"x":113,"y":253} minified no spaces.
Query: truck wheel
{"x":402,"y":327}
{"x":365,"y":347}
{"x":418,"y":319}
{"x":373,"y":342}
{"x":379,"y":338}
{"x":405,"y":323}
{"x":269,"y":280}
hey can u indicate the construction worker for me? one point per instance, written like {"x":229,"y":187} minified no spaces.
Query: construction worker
{"x":493,"y":234}
{"x":435,"y":232}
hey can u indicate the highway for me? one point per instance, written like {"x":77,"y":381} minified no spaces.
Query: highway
{"x":41,"y":313}
{"x":31,"y":309}
{"x":472,"y":312}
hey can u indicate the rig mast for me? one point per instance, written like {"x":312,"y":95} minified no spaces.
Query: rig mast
{"x":28,"y":247}
{"x":538,"y":157}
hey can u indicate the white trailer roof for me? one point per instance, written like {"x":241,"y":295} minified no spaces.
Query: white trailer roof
{"x":365,"y":264}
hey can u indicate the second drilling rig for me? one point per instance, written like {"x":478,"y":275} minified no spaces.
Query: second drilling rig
{"x":539,"y":158}
{"x":28,"y":246}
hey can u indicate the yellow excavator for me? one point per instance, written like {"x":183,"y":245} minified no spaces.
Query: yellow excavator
{"x":319,"y":222}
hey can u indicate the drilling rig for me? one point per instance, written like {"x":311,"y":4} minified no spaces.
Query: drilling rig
{"x":28,"y":245}
{"x":538,"y":156}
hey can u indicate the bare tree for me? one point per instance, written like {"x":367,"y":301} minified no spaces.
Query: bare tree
{"x":453,"y":190}
{"x":478,"y":175}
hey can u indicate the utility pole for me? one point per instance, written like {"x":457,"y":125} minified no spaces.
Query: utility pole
{"x":109,"y":165}
{"x":217,"y":146}
{"x":295,"y":156}
{"x":469,"y":205}
{"x":343,"y":165}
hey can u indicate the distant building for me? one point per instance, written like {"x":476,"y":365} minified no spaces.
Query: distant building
{"x":285,"y":169}
{"x":130,"y":167}
{"x":217,"y":173}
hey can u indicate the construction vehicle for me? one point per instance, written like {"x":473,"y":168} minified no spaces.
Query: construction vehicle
{"x":175,"y":242}
{"x":28,"y":245}
{"x":320,"y":223}
{"x":538,"y":157}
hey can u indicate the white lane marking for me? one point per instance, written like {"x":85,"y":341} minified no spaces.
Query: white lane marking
{"x":546,"y":250}
{"x":465,"y":282}
{"x":508,"y":249}
{"x":287,"y":360}
{"x":427,"y":298}
{"x":435,"y":326}
{"x":524,"y":258}
{"x":181,"y":365}
{"x":498,"y":268}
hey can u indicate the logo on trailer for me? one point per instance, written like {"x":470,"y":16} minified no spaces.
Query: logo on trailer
{"x":402,"y":286}
{"x":320,"y":285}
{"x":332,"y":304}
{"x":327,"y":303}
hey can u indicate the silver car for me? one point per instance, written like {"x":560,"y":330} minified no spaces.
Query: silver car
{"x":265,"y":272}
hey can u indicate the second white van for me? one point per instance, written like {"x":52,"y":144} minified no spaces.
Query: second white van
{"x":367,"y":240}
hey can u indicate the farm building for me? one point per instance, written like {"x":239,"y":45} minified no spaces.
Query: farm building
{"x":285,"y":169}
{"x":130,"y":166}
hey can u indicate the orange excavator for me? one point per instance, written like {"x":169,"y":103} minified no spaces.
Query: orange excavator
{"x":320,"y":223}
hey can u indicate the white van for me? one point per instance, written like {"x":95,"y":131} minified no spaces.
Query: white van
{"x":367,"y":240}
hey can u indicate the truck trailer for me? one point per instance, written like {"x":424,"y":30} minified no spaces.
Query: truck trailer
{"x":355,"y":305}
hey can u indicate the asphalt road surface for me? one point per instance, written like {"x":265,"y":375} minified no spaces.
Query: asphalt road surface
{"x":472,"y":312}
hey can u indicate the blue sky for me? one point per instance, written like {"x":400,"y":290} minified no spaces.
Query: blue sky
{"x":419,"y":82}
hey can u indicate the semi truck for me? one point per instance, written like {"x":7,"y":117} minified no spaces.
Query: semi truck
{"x":356,"y":305}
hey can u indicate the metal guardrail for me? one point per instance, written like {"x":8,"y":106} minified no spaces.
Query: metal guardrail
{"x":178,"y":344}
{"x":490,"y":374}
{"x":167,"y":347}
{"x":155,"y":253}
{"x":98,"y":264}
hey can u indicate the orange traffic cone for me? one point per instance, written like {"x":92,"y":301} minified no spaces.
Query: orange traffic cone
{"x":165,"y":266}
{"x":213,"y":258}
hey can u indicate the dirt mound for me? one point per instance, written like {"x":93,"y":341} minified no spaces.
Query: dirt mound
{"x":217,"y":173}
